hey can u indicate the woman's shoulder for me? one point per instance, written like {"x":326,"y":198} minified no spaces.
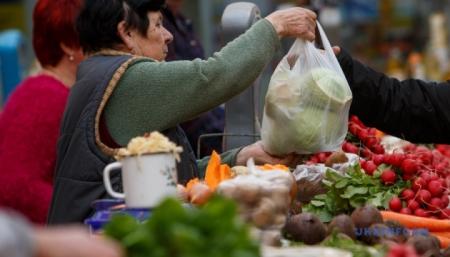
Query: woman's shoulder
{"x":38,"y":92}
{"x":40,"y":86}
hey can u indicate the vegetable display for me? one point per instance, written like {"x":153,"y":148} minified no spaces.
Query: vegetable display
{"x":173,"y":230}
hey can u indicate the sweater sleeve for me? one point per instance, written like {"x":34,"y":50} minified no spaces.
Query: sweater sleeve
{"x":415,"y":110}
{"x":158,"y":95}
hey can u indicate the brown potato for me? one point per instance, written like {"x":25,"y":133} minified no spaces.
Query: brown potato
{"x":263,"y":214}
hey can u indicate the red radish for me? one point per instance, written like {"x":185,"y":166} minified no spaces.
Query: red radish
{"x":363,"y":134}
{"x":378,"y":149}
{"x":401,"y":250}
{"x":388,"y":159}
{"x":397,"y":159}
{"x":426,"y":157}
{"x":421,"y":149}
{"x":445,"y":214}
{"x":435,"y":204}
{"x":349,"y":148}
{"x":322,"y":157}
{"x":409,"y":148}
{"x":421,"y":213}
{"x":413,"y":205}
{"x":405,"y":211}
{"x":441,"y":168}
{"x":433,"y":176}
{"x":314,"y":159}
{"x":407,"y":194}
{"x":426,"y":176}
{"x":372,"y":131}
{"x":445,"y":201}
{"x":409,"y":166}
{"x":354,"y":129}
{"x":371,"y":141}
{"x":388,"y":177}
{"x":435,"y":188}
{"x":424,"y":196}
{"x":442,"y":181}
{"x":370,"y":167}
{"x":395,"y":204}
{"x":377,"y":159}
{"x":366,"y":153}
{"x":407,"y":176}
{"x":356,"y":120}
{"x":418,"y":184}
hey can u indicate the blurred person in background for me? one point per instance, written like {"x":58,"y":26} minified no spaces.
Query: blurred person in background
{"x":124,"y":89}
{"x":30,"y":120}
{"x":18,"y":238}
{"x":411,"y":109}
{"x":186,"y":46}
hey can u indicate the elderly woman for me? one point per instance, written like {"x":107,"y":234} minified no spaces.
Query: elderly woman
{"x":124,"y":90}
{"x":29,"y":123}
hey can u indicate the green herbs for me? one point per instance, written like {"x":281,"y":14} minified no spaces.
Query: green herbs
{"x":175,"y":231}
{"x":347,"y":192}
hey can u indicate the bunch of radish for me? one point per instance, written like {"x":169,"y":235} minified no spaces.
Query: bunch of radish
{"x":429,"y":173}
{"x":427,"y":170}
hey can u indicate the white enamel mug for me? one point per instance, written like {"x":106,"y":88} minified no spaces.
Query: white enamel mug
{"x":146,"y":179}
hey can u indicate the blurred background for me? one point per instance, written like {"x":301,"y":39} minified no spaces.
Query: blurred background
{"x":404,"y":38}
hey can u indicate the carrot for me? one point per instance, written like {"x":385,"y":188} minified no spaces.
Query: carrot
{"x":445,"y":241}
{"x":225,"y":172}
{"x":273,"y":167}
{"x":212,"y":174}
{"x":415,"y":222}
{"x":443,"y":233}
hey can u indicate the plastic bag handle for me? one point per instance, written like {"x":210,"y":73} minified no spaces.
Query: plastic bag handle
{"x":327,"y":47}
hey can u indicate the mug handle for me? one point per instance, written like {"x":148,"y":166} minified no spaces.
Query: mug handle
{"x":107,"y":180}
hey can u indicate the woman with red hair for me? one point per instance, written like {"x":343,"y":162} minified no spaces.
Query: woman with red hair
{"x":29,"y":123}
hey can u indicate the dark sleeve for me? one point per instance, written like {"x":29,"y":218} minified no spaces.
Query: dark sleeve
{"x":414,"y":110}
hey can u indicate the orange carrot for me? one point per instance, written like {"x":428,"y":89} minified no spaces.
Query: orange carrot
{"x":212,"y":174}
{"x":225,"y":172}
{"x":414,"y":222}
{"x":445,"y":241}
{"x":443,"y":234}
{"x":274,"y":167}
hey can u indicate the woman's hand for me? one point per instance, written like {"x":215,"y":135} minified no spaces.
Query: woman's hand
{"x":294,"y":22}
{"x":260,"y":156}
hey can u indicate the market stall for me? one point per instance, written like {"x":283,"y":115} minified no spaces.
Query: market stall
{"x":355,"y":191}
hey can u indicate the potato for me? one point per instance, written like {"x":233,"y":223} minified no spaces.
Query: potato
{"x":249,"y":194}
{"x":263,"y":214}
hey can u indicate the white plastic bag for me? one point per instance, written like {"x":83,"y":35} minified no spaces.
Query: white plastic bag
{"x":308,"y":101}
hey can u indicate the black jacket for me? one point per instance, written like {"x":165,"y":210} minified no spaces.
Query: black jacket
{"x":415,"y":110}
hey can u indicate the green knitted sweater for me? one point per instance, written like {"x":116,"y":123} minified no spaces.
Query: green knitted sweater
{"x":159,"y":95}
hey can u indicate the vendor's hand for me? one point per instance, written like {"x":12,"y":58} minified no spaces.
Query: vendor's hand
{"x":294,"y":22}
{"x":73,"y":242}
{"x":256,"y":151}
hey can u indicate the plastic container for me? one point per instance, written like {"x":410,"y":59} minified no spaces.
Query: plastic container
{"x":106,"y":208}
